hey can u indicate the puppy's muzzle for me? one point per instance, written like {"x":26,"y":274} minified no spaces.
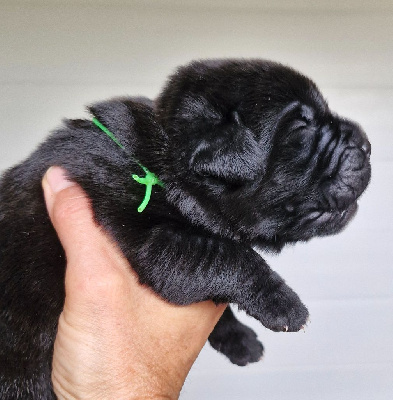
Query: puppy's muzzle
{"x":349,"y":166}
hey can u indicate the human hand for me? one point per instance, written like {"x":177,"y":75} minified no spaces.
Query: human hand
{"x":116,"y":339}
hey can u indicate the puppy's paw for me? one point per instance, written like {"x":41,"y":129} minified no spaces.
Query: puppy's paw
{"x":240,"y":345}
{"x":281,"y":311}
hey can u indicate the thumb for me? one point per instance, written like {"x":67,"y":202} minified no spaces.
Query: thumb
{"x":69,"y":210}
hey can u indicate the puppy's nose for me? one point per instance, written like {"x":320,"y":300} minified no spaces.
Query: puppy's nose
{"x":358,"y":137}
{"x":366,"y":147}
{"x":362,"y":141}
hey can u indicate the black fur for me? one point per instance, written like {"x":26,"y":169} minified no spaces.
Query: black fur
{"x":251,"y":157}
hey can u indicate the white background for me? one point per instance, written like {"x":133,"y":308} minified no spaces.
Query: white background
{"x":57,"y":56}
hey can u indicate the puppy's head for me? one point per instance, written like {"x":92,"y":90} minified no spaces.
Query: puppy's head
{"x":255,"y":153}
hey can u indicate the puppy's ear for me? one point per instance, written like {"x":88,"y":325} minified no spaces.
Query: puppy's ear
{"x":218,"y":143}
{"x":229,"y":152}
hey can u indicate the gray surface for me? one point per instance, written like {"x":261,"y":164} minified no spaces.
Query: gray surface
{"x":57,"y":56}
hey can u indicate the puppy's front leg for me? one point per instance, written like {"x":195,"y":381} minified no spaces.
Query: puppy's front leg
{"x":185,"y":267}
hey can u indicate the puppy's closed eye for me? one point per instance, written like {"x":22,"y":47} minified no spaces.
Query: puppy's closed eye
{"x":297,"y":124}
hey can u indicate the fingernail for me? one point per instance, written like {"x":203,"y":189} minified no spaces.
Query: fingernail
{"x":56,"y":178}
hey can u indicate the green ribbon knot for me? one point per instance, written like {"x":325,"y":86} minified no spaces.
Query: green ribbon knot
{"x":149,"y":180}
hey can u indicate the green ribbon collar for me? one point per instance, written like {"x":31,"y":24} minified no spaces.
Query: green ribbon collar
{"x":150,"y":179}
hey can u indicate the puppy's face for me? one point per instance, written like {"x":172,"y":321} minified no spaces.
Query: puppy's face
{"x":259,"y":148}
{"x":317,"y":169}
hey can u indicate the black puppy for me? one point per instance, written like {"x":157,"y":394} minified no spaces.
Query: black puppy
{"x":249,"y":156}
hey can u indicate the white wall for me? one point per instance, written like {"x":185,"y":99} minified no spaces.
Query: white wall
{"x":56,"y":56}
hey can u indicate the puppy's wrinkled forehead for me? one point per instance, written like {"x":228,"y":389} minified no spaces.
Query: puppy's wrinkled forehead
{"x":257,"y":88}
